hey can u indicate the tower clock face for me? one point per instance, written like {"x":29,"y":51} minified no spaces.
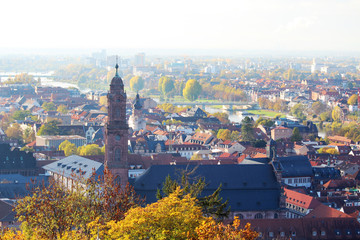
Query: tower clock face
{"x":117,"y":137}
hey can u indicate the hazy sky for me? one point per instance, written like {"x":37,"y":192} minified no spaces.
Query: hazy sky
{"x":293,"y":25}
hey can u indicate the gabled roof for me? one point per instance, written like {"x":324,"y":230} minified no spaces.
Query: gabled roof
{"x":17,"y":186}
{"x":295,"y":166}
{"x":5,"y":209}
{"x":246,"y":187}
{"x":339,"y":183}
{"x":75,"y":166}
{"x":303,"y":228}
{"x":323,"y":211}
{"x":300,"y":199}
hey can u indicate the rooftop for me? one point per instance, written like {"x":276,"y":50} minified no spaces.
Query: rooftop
{"x":75,"y":166}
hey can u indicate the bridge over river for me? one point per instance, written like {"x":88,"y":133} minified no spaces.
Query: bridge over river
{"x":34,"y":74}
{"x":227,"y":105}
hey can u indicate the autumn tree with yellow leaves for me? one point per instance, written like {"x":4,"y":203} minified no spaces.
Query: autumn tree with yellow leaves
{"x":175,"y":217}
{"x":55,"y":211}
{"x":53,"y":214}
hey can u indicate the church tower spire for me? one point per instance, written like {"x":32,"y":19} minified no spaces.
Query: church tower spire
{"x":116,"y":130}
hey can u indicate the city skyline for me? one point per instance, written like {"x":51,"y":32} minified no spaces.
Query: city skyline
{"x":264,"y":26}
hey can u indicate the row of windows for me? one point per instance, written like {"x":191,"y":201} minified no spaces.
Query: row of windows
{"x":298,"y":180}
{"x":282,"y":234}
{"x":292,"y":206}
{"x":187,"y":148}
{"x":292,"y":215}
{"x":257,"y":216}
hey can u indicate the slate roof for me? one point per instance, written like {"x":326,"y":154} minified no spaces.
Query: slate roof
{"x":72,"y":165}
{"x":15,"y":185}
{"x":295,"y":166}
{"x":255,"y":161}
{"x":5,"y":209}
{"x":250,"y":187}
{"x":323,"y":173}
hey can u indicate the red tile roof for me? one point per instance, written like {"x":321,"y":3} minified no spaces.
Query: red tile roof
{"x":323,"y":211}
{"x":300,"y":199}
{"x":32,"y":144}
{"x":259,"y":155}
{"x":225,"y":155}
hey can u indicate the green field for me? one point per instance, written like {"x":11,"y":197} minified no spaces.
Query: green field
{"x":266,"y":113}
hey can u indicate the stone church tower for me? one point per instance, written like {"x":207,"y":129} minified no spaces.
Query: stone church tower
{"x":136,"y":120}
{"x":116,"y":131}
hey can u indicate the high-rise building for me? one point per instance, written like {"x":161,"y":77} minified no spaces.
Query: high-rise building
{"x":139,"y":60}
{"x":116,"y":131}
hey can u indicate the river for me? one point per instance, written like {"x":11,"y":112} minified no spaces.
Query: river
{"x":234,"y":116}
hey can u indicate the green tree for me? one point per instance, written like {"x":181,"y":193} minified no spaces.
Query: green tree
{"x":21,"y":114}
{"x":331,"y":151}
{"x":192,"y":90}
{"x":263,"y":102}
{"x":336,"y":114}
{"x":259,"y":143}
{"x":224,"y":134}
{"x":318,"y":107}
{"x":160,"y":83}
{"x":49,"y":128}
{"x":136,"y":83}
{"x":280,"y":105}
{"x":296,"y":136}
{"x":353,"y":99}
{"x":5,"y":121}
{"x":211,"y":205}
{"x":167,"y":107}
{"x":298,"y":111}
{"x":223,"y":117}
{"x":89,"y":150}
{"x":179,"y":86}
{"x":325,"y":116}
{"x":62,"y":109}
{"x":267,"y":122}
{"x":68,"y":148}
{"x":21,"y":78}
{"x":167,"y":86}
{"x":48,"y":106}
{"x":235,"y":136}
{"x":350,"y":85}
{"x":247,"y":129}
{"x":28,"y":135}
{"x":14,"y":132}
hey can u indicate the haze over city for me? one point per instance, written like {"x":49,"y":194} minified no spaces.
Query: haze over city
{"x":185,"y":120}
{"x":188,"y":26}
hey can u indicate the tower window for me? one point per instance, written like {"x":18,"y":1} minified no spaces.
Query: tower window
{"x":117,"y":155}
{"x":117,"y":112}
